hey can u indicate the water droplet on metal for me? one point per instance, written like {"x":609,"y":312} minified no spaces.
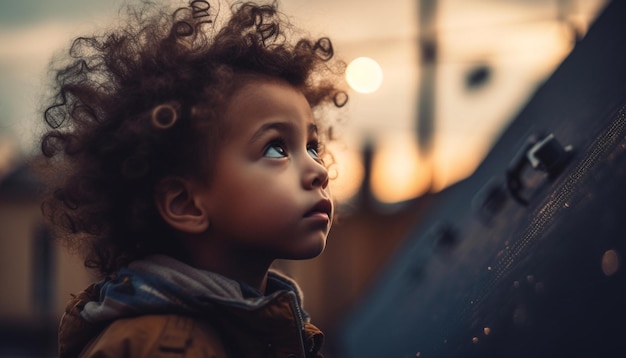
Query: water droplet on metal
{"x":418,"y":354}
{"x":475,"y":340}
{"x":486,"y":331}
{"x":610,"y":262}
{"x":488,"y":268}
{"x":566,"y":205}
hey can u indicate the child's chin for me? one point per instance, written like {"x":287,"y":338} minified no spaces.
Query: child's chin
{"x":311,"y":252}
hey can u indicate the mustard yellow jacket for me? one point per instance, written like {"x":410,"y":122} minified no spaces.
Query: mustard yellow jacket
{"x":275,"y":328}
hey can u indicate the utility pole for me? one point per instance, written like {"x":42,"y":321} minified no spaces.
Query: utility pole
{"x":426,"y":104}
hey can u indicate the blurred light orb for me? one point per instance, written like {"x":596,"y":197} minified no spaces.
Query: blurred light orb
{"x":364,"y":75}
{"x":398,"y":171}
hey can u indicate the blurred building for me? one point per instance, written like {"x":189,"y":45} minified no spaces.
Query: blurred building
{"x":36,"y":275}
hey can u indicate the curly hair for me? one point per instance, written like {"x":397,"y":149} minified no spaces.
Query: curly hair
{"x":143,"y":102}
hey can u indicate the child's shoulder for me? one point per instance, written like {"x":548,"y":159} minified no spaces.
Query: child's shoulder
{"x":157,"y":335}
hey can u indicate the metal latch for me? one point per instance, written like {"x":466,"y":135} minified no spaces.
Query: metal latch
{"x":546,"y":155}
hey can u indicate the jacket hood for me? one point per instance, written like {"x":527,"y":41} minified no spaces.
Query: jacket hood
{"x":160,"y":284}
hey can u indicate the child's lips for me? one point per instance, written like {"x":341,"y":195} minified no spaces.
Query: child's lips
{"x":322,"y":209}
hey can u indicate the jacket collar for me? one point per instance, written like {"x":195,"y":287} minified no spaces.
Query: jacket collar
{"x":161,"y":284}
{"x":155,"y":285}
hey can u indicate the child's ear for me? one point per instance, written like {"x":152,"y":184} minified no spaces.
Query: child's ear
{"x":178,"y":202}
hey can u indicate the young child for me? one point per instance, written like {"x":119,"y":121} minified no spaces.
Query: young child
{"x":184,"y":157}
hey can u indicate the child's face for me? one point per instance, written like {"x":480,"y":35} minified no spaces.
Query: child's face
{"x":269,"y":191}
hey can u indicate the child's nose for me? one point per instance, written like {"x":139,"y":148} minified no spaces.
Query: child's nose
{"x":315,"y":176}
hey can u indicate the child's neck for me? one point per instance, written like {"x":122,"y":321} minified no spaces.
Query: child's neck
{"x":255,"y":277}
{"x":244,"y":267}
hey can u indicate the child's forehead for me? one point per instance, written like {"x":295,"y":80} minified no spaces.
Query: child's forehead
{"x":267,"y":95}
{"x":260,"y":101}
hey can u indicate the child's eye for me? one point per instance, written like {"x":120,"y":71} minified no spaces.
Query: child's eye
{"x":314,"y":150}
{"x":275,"y":150}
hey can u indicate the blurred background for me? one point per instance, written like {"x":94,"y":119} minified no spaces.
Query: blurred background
{"x":441,"y":79}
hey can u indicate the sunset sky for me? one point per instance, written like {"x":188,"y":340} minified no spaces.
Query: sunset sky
{"x":516,"y":43}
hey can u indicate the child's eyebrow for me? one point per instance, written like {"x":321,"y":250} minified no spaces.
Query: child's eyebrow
{"x":281,"y":127}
